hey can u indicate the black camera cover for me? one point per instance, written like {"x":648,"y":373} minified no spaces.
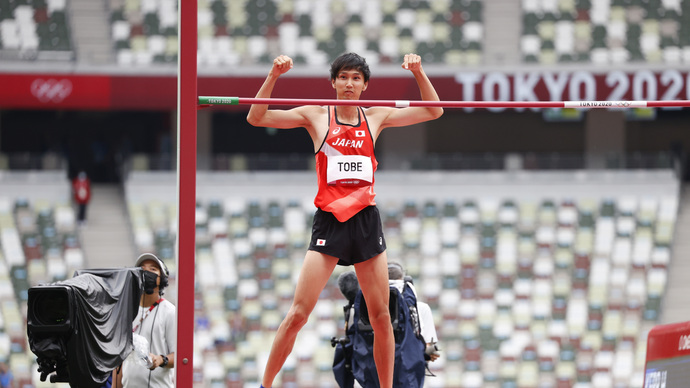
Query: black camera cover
{"x":94,"y":330}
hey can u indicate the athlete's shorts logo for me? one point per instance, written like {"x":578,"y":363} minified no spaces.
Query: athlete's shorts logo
{"x":320,"y":242}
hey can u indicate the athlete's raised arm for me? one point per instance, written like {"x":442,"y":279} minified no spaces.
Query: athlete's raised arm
{"x":398,"y":117}
{"x":261,"y":116}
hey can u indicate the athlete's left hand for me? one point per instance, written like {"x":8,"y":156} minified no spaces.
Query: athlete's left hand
{"x":412,"y":62}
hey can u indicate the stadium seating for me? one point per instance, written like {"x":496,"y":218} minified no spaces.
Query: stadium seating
{"x":525,"y":291}
{"x":313,"y":32}
{"x":605,"y":32}
{"x":248,"y":32}
{"x":35,"y":29}
{"x":39,"y":244}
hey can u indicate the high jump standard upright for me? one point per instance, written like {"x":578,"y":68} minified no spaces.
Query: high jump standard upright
{"x":186,"y":188}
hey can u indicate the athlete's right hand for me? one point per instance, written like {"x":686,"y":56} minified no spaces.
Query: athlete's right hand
{"x":281,"y":65}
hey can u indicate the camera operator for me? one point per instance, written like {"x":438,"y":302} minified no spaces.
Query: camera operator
{"x":415,"y":334}
{"x":156,"y":322}
{"x":397,"y":278}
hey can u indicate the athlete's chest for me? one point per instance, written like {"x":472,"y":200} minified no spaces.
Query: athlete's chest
{"x":345,"y":137}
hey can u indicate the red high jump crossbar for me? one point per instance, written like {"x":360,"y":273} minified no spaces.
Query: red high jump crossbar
{"x":205,"y":101}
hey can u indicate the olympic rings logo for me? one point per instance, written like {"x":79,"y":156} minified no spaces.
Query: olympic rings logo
{"x":51,"y":89}
{"x":623,"y":104}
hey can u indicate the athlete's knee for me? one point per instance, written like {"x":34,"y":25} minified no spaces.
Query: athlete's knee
{"x":296,"y":318}
{"x":380,"y":319}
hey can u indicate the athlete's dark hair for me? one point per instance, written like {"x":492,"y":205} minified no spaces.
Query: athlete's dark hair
{"x":350,"y":61}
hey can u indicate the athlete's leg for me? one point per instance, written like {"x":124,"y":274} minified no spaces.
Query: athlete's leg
{"x":314,"y":274}
{"x":373,"y":280}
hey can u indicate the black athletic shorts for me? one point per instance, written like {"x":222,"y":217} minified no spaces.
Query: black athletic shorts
{"x":356,"y":240}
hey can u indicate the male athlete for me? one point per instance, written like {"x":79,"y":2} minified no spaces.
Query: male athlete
{"x":347,"y":226}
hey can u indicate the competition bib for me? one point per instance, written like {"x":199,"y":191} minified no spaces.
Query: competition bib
{"x":349,"y":170}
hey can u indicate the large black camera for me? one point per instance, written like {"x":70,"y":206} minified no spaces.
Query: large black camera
{"x":80,"y":329}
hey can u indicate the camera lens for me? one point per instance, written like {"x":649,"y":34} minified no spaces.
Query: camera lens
{"x":50,"y":309}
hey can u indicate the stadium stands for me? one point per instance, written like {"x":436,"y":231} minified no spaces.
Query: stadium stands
{"x":541,"y":285}
{"x":38,"y":244}
{"x":32,"y":30}
{"x":444,"y":32}
{"x":606,"y":32}
{"x":530,"y":283}
{"x":311,"y":31}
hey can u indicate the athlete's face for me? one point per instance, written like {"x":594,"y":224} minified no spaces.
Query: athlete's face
{"x":349,"y":84}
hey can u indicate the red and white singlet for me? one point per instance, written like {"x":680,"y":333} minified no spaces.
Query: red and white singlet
{"x":345,"y":166}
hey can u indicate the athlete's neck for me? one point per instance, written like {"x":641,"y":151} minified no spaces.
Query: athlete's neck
{"x":347,"y":114}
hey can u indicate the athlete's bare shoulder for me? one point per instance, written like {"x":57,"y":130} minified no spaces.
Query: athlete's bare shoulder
{"x":376,"y":117}
{"x":314,"y":110}
{"x":376,"y":111}
{"x":310,"y":113}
